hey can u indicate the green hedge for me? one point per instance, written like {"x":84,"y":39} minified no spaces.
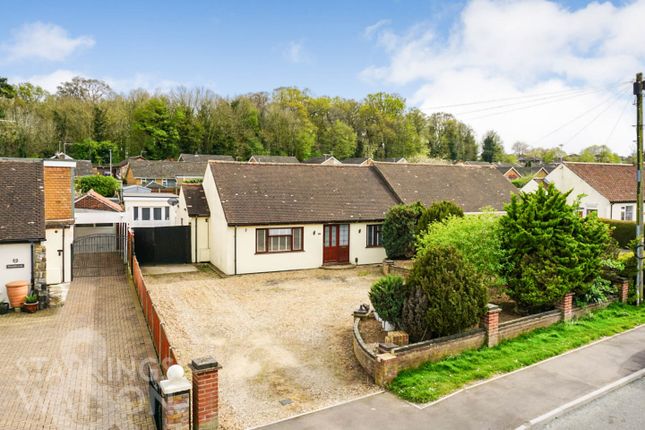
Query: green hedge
{"x":623,"y":231}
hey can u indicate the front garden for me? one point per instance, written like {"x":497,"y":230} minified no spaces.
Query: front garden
{"x":537,"y":257}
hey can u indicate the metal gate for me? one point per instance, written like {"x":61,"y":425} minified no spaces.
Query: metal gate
{"x":162,"y":245}
{"x":99,"y":255}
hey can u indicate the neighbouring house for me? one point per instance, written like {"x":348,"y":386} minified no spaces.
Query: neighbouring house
{"x":609,"y":190}
{"x":394,"y":160}
{"x":273,"y":159}
{"x":509,"y":172}
{"x":204,"y":157}
{"x":193,"y":211}
{"x":121,"y":169}
{"x":83,"y":167}
{"x":150,"y":209}
{"x":95,"y":215}
{"x":326,"y":159}
{"x":272,"y":217}
{"x":135,"y":189}
{"x":358,"y":161}
{"x":167,"y":174}
{"x":22,"y":223}
{"x":38,"y":193}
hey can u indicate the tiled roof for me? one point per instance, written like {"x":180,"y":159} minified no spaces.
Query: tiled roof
{"x":84,"y":168}
{"x":273,"y":159}
{"x":196,"y":203}
{"x":93,"y":200}
{"x":167,"y":169}
{"x":471,"y":187}
{"x":617,"y":182}
{"x":22,"y":200}
{"x":204,"y":157}
{"x":260,"y":194}
{"x":357,"y":160}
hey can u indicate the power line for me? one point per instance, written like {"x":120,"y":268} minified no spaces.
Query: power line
{"x":611,"y":133}
{"x":572,"y":120}
{"x":522,"y":96}
{"x":584,"y":127}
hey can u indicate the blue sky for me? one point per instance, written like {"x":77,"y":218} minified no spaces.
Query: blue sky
{"x":434,"y":53}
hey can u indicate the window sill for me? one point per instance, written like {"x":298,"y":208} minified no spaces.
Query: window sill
{"x":374,"y":246}
{"x":279,"y":252}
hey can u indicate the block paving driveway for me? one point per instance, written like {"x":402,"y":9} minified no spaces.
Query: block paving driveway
{"x":79,"y":366}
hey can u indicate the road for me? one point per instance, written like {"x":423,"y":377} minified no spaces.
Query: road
{"x":620,"y":409}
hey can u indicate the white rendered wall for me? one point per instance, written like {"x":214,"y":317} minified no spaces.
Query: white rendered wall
{"x":12,"y":254}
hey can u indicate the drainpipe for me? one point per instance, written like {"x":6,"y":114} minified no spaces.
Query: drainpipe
{"x":33,"y":264}
{"x":235,"y":253}
{"x":611,"y":211}
{"x":63,"y":255}
{"x":196,"y":238}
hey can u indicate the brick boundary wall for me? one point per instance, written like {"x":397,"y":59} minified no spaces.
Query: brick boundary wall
{"x":388,"y":360}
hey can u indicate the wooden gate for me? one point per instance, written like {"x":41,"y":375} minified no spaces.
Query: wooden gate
{"x":162,"y":245}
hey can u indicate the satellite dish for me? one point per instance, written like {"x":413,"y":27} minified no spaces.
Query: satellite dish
{"x":173,"y":201}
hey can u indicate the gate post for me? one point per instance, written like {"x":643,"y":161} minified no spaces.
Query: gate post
{"x":176,"y":393}
{"x":205,"y":393}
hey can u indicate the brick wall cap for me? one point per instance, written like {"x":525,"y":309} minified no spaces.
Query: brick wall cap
{"x":490,"y":307}
{"x":204,"y":364}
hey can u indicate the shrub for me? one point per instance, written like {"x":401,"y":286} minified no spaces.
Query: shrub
{"x":623,"y":231}
{"x":104,"y":185}
{"x":520,"y":182}
{"x":387,"y":296}
{"x":548,"y":249}
{"x":437,"y":212}
{"x":400,"y":229}
{"x":476,"y":236}
{"x":446,"y":295}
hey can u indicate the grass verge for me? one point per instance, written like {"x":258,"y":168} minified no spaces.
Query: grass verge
{"x":434,"y":380}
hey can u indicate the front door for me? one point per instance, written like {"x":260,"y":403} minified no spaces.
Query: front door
{"x":336,"y":244}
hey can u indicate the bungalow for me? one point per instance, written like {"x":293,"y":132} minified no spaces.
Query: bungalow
{"x":165,"y":173}
{"x":358,"y":161}
{"x":36,"y":221}
{"x":150,"y":209}
{"x":326,"y":159}
{"x":273,"y":159}
{"x":272,"y":217}
{"x":394,"y":160}
{"x":204,"y":157}
{"x":608,"y":190}
{"x":193,"y":211}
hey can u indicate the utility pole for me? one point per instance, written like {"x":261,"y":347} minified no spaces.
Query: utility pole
{"x":638,"y":92}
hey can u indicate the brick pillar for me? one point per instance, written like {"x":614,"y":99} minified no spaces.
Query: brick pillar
{"x":490,"y":323}
{"x":205,"y":393}
{"x":387,"y":266}
{"x":176,"y":394}
{"x":566,"y":307}
{"x":386,"y":369}
{"x":624,"y":291}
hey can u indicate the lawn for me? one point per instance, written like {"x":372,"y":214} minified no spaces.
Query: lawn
{"x":434,"y":380}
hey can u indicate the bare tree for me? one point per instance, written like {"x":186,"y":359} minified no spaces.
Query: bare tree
{"x":91,"y":90}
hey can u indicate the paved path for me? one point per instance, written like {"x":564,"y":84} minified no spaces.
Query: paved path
{"x":77,"y":367}
{"x":620,"y":409}
{"x":504,"y":403}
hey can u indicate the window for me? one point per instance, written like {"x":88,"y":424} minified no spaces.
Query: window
{"x":166,"y":211}
{"x":169,"y":183}
{"x":627,"y":213}
{"x":157,"y":213}
{"x":136,"y":213}
{"x":145,"y":214}
{"x":374,"y":238}
{"x":343,"y":240}
{"x":592,"y":211}
{"x":278,"y":240}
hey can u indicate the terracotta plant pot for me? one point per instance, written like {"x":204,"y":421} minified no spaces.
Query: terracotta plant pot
{"x":30,"y":307}
{"x":17,"y":291}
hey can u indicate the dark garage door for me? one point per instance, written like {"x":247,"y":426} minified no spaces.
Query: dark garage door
{"x":162,"y":245}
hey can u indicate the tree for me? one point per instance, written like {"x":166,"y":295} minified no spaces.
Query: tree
{"x":450,"y":139}
{"x":89,"y":90}
{"x":520,"y":148}
{"x":548,"y":249}
{"x":7,"y":91}
{"x":387,"y":296}
{"x":400,"y":229}
{"x":492,"y":147}
{"x":104,"y":185}
{"x":96,"y":152}
{"x":446,"y":295}
{"x":437,"y":212}
{"x":339,"y":139}
{"x":476,"y":236}
{"x":154,"y":127}
{"x":99,"y":126}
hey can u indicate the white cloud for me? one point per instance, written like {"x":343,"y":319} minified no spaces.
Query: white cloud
{"x":296,"y":53}
{"x":501,"y":49}
{"x":43,"y":41}
{"x":48,"y":81}
{"x":371,"y":29}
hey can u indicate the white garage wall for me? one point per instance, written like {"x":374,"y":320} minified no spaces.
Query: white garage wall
{"x":59,"y":264}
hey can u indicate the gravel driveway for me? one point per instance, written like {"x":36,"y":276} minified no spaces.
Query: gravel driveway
{"x":279,"y":336}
